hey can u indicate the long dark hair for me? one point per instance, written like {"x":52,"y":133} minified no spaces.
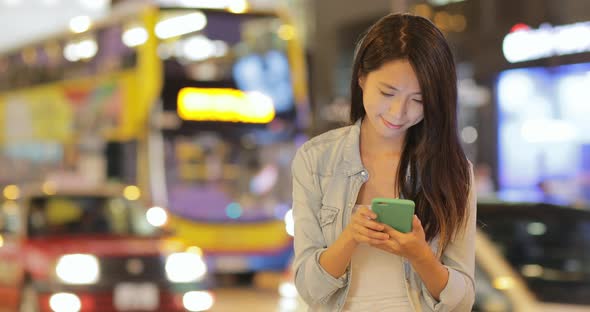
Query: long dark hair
{"x":440,"y":177}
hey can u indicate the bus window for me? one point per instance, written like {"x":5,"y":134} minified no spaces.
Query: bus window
{"x":87,"y":215}
{"x":101,"y":50}
{"x":244,"y":52}
{"x":229,"y":170}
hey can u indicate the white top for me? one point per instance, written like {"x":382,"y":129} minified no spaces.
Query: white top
{"x":377,"y":281}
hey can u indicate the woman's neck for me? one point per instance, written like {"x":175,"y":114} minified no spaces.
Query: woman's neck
{"x":374,"y":145}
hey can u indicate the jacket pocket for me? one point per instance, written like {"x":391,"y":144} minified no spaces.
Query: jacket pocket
{"x":328,"y":217}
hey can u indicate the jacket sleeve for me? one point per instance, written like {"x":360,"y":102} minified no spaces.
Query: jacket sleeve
{"x":313,"y":283}
{"x":459,"y":259}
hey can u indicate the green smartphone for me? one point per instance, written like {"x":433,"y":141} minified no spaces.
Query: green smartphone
{"x":397,"y":213}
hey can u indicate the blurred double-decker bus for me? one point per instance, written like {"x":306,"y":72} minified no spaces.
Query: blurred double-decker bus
{"x":201,"y":107}
{"x":233,"y":108}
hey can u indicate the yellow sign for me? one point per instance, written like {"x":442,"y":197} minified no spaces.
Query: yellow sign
{"x":227,"y":105}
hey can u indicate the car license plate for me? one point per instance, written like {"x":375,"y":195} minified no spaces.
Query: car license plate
{"x":231,"y":264}
{"x":136,"y":297}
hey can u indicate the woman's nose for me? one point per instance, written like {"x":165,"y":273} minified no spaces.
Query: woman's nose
{"x":397,"y":107}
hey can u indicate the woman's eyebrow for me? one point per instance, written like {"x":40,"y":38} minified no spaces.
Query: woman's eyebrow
{"x":396,"y":89}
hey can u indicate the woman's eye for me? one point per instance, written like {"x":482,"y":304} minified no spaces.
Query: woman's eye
{"x":386,"y":94}
{"x":418,"y":101}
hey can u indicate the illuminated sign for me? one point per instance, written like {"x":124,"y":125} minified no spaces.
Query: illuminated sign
{"x":524,"y":44}
{"x":234,"y":6}
{"x":226,"y":105}
{"x":181,"y":25}
{"x":443,"y":2}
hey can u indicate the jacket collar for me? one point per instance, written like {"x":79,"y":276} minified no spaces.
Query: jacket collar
{"x":351,"y":158}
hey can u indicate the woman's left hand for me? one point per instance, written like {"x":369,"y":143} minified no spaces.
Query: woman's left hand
{"x":411,"y":245}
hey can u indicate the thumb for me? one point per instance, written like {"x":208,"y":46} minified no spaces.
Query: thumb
{"x":416,"y":224}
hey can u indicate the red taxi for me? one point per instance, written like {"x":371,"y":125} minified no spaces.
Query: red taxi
{"x":95,"y":250}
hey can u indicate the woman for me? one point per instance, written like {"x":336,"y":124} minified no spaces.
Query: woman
{"x":403,"y":144}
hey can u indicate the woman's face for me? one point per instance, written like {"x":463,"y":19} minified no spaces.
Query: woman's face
{"x":392,"y":98}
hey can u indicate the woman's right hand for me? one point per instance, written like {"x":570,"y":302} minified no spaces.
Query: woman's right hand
{"x":363,"y":229}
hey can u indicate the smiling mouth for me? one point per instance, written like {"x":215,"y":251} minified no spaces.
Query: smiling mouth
{"x":390,"y":125}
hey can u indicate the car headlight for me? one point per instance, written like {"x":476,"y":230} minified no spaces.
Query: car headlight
{"x":185,"y":267}
{"x":78,"y":269}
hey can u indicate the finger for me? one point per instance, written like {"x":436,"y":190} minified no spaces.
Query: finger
{"x":416,"y":224}
{"x":358,"y":233}
{"x":393,"y":233}
{"x":360,"y":219}
{"x":370,"y":234}
{"x":367,"y":234}
{"x":375,"y":234}
{"x":377,"y":242}
{"x":366,"y":212}
{"x":394,"y":246}
{"x":376,"y":226}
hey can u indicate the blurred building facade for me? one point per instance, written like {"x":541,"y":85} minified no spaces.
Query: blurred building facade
{"x":476,"y":30}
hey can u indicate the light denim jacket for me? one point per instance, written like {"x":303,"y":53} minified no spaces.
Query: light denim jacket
{"x":327,"y":176}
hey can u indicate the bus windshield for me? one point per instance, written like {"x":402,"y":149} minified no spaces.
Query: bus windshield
{"x":221,"y":163}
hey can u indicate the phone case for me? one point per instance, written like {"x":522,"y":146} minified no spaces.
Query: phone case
{"x":397,"y":213}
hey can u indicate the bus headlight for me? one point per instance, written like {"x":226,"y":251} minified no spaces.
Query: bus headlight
{"x":185,"y":267}
{"x":78,"y":269}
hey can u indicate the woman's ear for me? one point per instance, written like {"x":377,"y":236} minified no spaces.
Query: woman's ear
{"x":361,"y":82}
